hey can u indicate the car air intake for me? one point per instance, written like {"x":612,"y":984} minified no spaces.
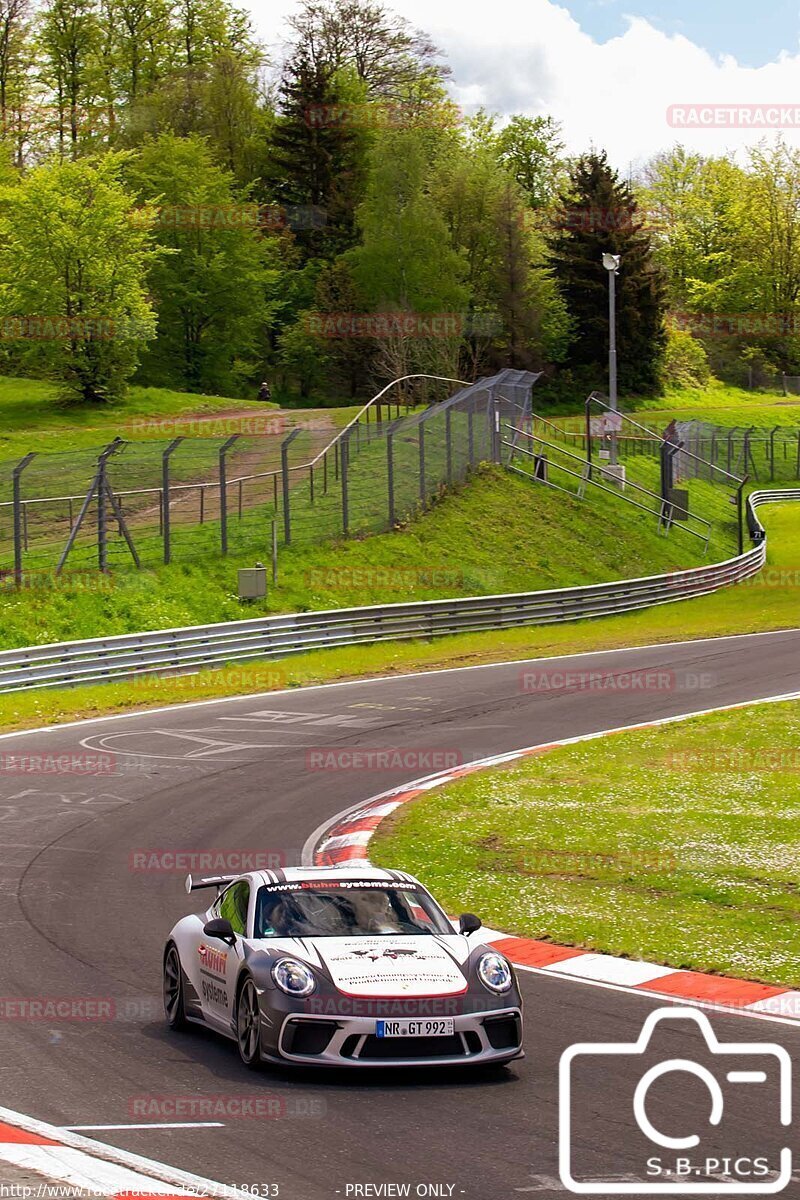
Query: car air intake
{"x":503,"y":1032}
{"x":308,"y":1037}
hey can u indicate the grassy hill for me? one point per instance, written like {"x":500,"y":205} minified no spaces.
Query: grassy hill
{"x":497,"y":533}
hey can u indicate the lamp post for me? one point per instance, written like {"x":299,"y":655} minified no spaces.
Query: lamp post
{"x":611,"y":262}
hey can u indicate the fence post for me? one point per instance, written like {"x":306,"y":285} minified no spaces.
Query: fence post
{"x":772,"y":453}
{"x":287,"y":516}
{"x":344,"y":463}
{"x":223,"y":492}
{"x":165,"y":517}
{"x":390,"y":472}
{"x":471,"y":438}
{"x":311,"y":482}
{"x":102,"y":488}
{"x":588,"y":437}
{"x":448,"y":437}
{"x":422,"y":492}
{"x":18,"y":469}
{"x":274,"y":550}
{"x":739,"y":513}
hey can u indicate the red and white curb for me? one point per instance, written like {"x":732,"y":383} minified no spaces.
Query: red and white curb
{"x":346,"y":838}
{"x":100,"y":1170}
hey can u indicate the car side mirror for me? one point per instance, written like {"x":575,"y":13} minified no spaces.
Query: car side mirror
{"x":221,"y":929}
{"x":468,"y":923}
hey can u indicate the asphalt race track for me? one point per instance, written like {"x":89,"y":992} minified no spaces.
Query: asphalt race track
{"x":80,"y":921}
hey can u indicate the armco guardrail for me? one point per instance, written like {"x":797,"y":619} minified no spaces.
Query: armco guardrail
{"x":194,"y":647}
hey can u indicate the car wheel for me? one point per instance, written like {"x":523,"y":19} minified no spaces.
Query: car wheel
{"x":248,"y":1025}
{"x":174,"y":1009}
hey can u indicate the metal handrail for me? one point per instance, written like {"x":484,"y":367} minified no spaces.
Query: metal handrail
{"x":195,"y":647}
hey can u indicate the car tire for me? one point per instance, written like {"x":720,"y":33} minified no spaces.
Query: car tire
{"x":248,"y":1025}
{"x":174,"y":1007}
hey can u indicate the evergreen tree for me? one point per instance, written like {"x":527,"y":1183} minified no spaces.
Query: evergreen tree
{"x":599,"y":214}
{"x":316,"y":157}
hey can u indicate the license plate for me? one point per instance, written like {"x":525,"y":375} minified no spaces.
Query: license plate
{"x":444,"y":1027}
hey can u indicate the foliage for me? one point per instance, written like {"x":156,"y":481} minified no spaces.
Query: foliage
{"x":74,"y":268}
{"x":210,"y":285}
{"x":685,"y":361}
{"x":599,"y":214}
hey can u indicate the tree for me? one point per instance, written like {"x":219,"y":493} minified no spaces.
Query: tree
{"x":530,"y":148}
{"x":387,"y":54}
{"x":599,"y":214}
{"x":210,"y":286}
{"x":316,"y":157}
{"x":516,"y":316}
{"x":68,"y":37}
{"x":16,"y":76}
{"x":75,"y":266}
{"x":406,"y":263}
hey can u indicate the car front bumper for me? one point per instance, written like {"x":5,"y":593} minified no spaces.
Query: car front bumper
{"x":492,"y":1036}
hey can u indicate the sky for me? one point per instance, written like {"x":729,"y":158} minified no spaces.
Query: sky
{"x":630,"y":76}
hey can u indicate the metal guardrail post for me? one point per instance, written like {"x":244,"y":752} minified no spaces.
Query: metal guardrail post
{"x":223,"y":491}
{"x":17,"y":494}
{"x":287,"y":514}
{"x":165,"y":514}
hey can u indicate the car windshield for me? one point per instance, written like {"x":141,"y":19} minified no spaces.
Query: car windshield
{"x":353,"y":908}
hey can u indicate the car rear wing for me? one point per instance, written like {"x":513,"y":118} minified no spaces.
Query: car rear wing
{"x":215,"y":881}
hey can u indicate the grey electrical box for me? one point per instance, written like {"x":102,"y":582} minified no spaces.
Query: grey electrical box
{"x":253,"y":583}
{"x":679,"y":499}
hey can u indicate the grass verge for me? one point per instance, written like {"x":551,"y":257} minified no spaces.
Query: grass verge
{"x":676,"y":845}
{"x":496,"y":534}
{"x":769,"y":601}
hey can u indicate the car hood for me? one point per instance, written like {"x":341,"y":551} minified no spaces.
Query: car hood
{"x":387,"y":966}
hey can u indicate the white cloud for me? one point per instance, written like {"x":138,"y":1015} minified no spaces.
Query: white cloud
{"x":531,"y":56}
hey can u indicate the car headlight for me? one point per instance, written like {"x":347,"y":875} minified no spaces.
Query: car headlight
{"x":495,"y":973}
{"x":293,"y":977}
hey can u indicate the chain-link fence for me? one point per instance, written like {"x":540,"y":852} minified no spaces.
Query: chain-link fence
{"x":141,"y":503}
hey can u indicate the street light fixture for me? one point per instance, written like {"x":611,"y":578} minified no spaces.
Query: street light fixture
{"x":612,"y":262}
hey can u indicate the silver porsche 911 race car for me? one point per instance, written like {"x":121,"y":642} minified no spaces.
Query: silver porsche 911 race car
{"x":340,"y":966}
